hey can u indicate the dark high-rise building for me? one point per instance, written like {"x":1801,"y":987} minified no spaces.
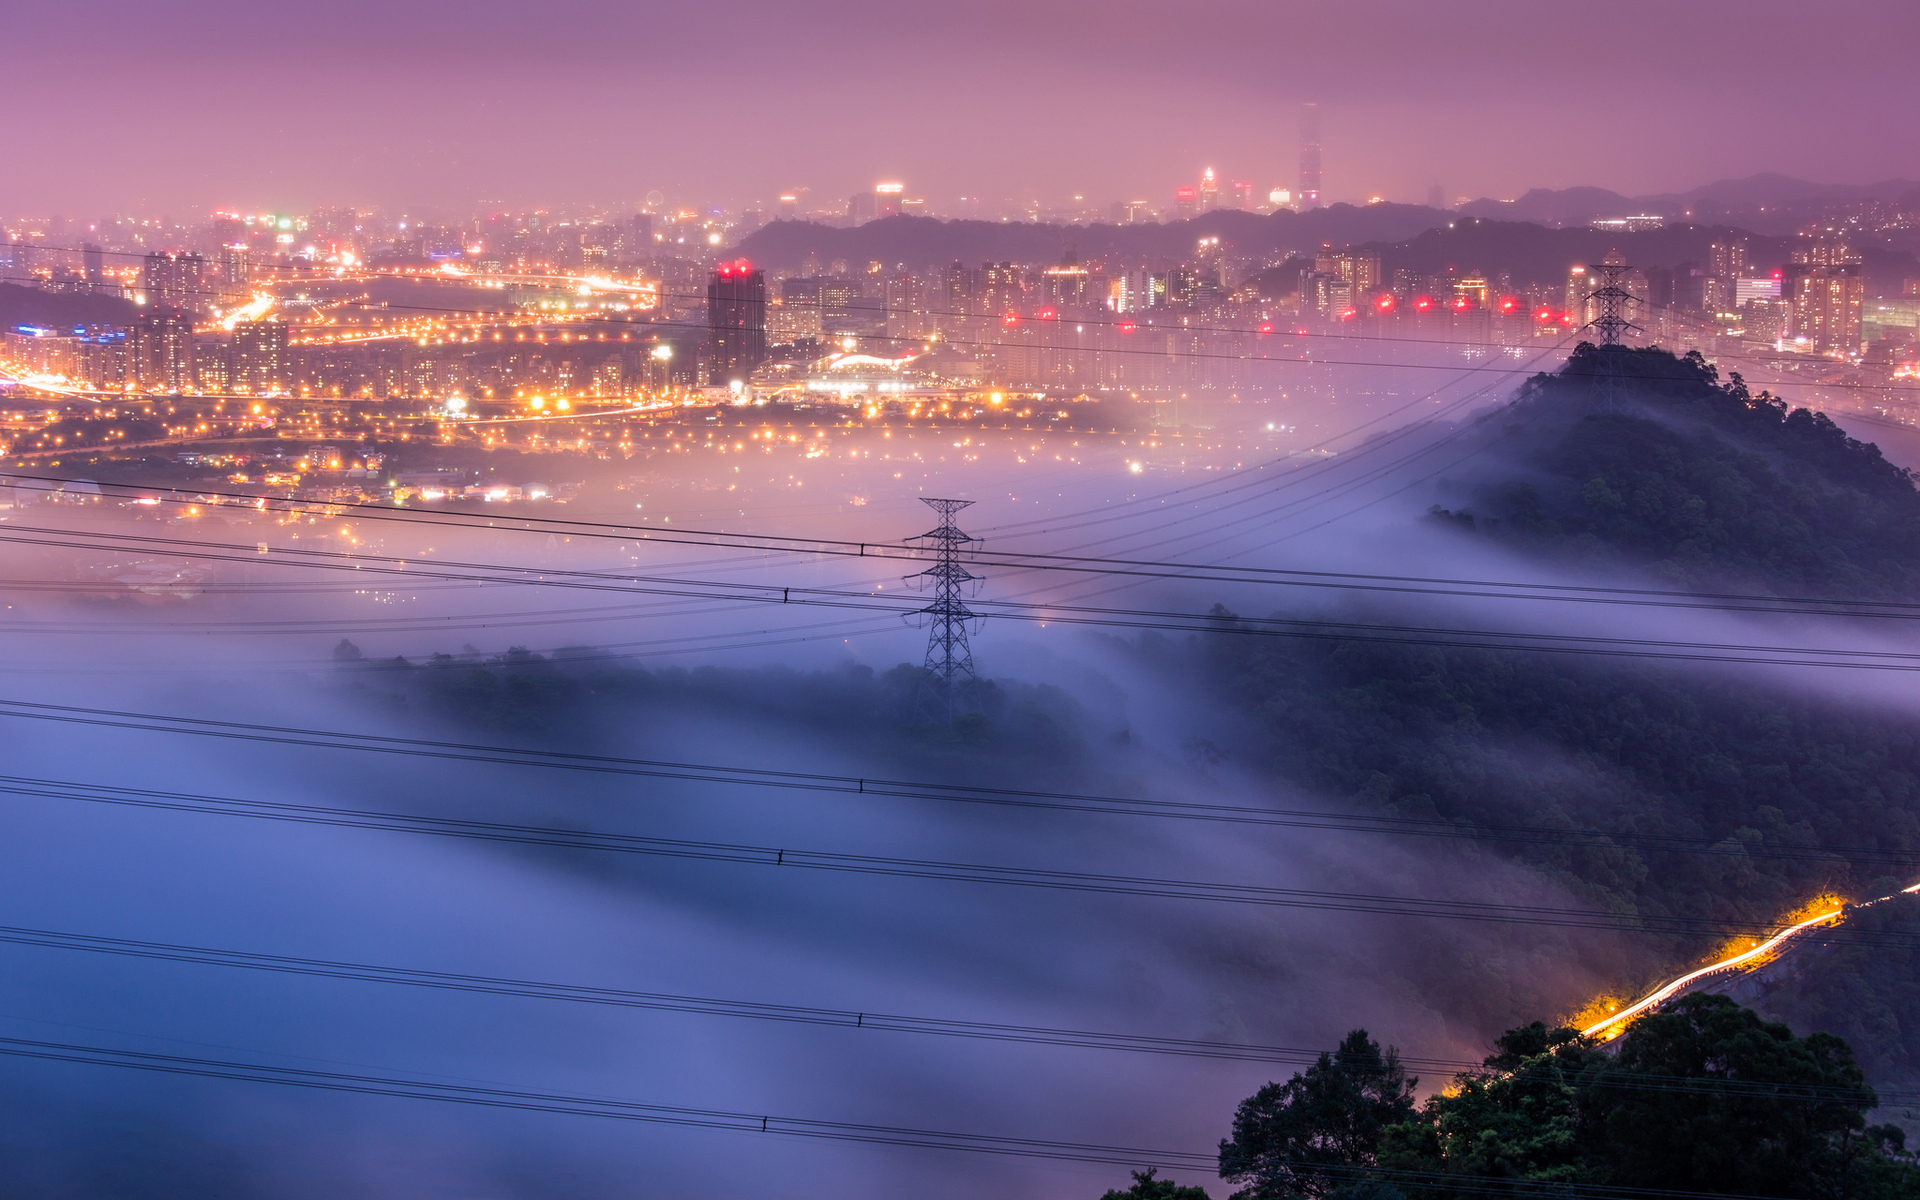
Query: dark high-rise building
{"x":1310,"y":157}
{"x":736,"y":321}
{"x":94,"y":260}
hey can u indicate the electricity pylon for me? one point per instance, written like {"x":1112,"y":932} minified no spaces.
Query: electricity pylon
{"x":1611,"y":324}
{"x":948,"y":683}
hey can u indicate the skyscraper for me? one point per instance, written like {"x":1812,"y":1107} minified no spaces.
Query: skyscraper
{"x":176,"y":281}
{"x":1827,"y":294}
{"x":1310,"y":157}
{"x":161,"y":347}
{"x":1726,"y":266}
{"x":1209,"y":191}
{"x":736,"y":321}
{"x":261,"y":363}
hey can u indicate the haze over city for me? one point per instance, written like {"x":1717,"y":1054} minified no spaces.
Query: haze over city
{"x":442,"y":106}
{"x":1080,"y":602}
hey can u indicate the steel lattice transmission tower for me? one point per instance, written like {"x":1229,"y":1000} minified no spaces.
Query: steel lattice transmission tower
{"x":1611,"y":301}
{"x":948,"y":684}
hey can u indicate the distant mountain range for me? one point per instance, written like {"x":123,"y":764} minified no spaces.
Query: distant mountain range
{"x":1425,"y":240}
{"x":1766,"y":203}
{"x":918,"y":243}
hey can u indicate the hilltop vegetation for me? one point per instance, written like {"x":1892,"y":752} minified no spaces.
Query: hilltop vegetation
{"x":1783,"y":796}
{"x":1698,"y":481}
{"x":1703,"y":1097}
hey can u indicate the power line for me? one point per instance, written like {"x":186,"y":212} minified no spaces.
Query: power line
{"x":669,"y":1002}
{"x":906,"y":789}
{"x":837,"y":1018}
{"x":533,"y":1101}
{"x":781,"y":858}
{"x":1029,"y":560}
{"x":1101,"y":617}
{"x":745,"y":1122}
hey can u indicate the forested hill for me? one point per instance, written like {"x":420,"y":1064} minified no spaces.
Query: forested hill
{"x":1772,"y":796}
{"x":1694,"y":479}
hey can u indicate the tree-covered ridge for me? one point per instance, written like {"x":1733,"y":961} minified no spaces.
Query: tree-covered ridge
{"x":1491,"y":739}
{"x":579,"y":695}
{"x":1698,"y":480}
{"x":1703,"y":1097}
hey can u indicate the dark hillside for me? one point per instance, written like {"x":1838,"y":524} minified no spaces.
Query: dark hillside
{"x":31,"y":306}
{"x":1700,"y":482}
{"x":1706,"y":484}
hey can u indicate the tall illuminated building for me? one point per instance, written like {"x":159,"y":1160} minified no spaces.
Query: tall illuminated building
{"x":1209,"y":191}
{"x":1827,"y":296}
{"x":1186,"y":203}
{"x":1243,"y":194}
{"x":177,"y":281}
{"x":736,"y":322}
{"x":161,"y":349}
{"x":261,"y":362}
{"x":1726,"y":266}
{"x":235,"y":273}
{"x":1310,"y":157}
{"x":887,"y":197}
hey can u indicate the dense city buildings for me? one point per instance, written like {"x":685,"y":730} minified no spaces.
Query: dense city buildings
{"x":345,"y":319}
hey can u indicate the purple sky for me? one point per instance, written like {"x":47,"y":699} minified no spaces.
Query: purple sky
{"x":172,"y":106}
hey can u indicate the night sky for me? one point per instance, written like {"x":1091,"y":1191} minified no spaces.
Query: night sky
{"x":172,"y":107}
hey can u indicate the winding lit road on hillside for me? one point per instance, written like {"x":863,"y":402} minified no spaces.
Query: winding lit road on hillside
{"x":1616,"y":1022}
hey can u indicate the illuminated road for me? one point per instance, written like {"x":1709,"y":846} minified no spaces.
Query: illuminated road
{"x":254,"y":309}
{"x":1617,"y":1021}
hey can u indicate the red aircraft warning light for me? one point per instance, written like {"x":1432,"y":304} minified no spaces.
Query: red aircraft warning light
{"x":1384,"y":304}
{"x":1508,"y":304}
{"x":1422,"y":303}
{"x":1266,"y":327}
{"x":1011,"y":319}
{"x":1461,"y":304}
{"x":1126,"y":327}
{"x":1544,"y":316}
{"x":1047,"y":314}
